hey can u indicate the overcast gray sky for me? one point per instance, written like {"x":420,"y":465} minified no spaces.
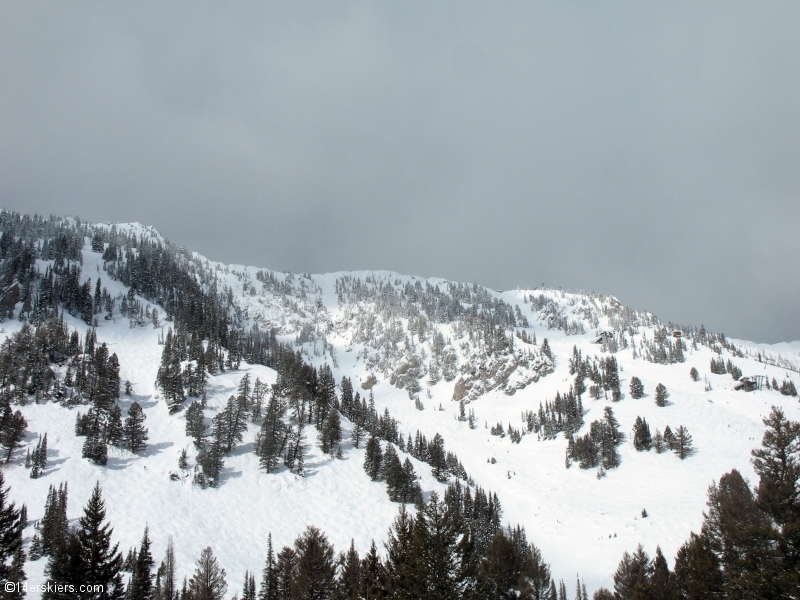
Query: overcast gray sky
{"x":650,"y":150}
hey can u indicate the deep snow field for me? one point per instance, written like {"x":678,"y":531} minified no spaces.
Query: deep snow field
{"x":581,"y":523}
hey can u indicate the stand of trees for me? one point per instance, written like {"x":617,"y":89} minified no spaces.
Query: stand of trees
{"x":748,"y":545}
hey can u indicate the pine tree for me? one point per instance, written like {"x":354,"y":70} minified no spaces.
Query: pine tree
{"x":737,"y":534}
{"x":437,"y":537}
{"x":249,"y":588}
{"x":682,"y":446}
{"x":642,"y":439}
{"x":273,"y":435}
{"x":694,"y":374}
{"x":12,"y":430}
{"x":632,"y":575}
{"x":405,"y":568}
{"x":231,"y":423}
{"x":501,"y":569}
{"x":269,"y":578}
{"x":195,"y":423}
{"x":169,"y":586}
{"x":349,"y":582}
{"x":208,"y":581}
{"x":777,"y":464}
{"x":53,"y":526}
{"x":134,"y":431}
{"x":141,"y":585}
{"x":411,"y":490}
{"x":100,"y":562}
{"x":11,"y":526}
{"x":316,"y":569}
{"x":331,"y":433}
{"x":438,"y":458}
{"x":357,"y":431}
{"x":661,"y":395}
{"x":95,"y":449}
{"x":636,"y":388}
{"x":373,"y":458}
{"x":392,"y":471}
{"x":66,"y":570}
{"x":669,"y":438}
{"x":658,"y":442}
{"x":697,"y":570}
{"x":211,"y":460}
{"x":244,"y":391}
{"x":373,"y":575}
{"x":286,"y":566}
{"x":115,"y":432}
{"x":661,"y":585}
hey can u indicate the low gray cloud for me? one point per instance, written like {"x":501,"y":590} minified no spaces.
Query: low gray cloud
{"x":646,"y":151}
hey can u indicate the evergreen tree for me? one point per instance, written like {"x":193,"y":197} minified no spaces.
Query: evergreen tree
{"x":501,"y":570}
{"x":669,"y":438}
{"x":636,"y":388}
{"x":694,"y":374}
{"x":777,"y":464}
{"x":437,"y":538}
{"x":609,"y":440}
{"x":737,"y":534}
{"x":65,"y":570}
{"x":437,"y":458}
{"x":392,"y":471}
{"x":287,"y":571}
{"x":642,"y":439}
{"x":661,"y":395}
{"x":661,"y":585}
{"x":12,"y":556}
{"x":357,"y":432}
{"x":349,"y":582}
{"x":658,"y":442}
{"x":405,"y":568}
{"x":141,"y":585}
{"x":115,"y":432}
{"x":373,"y":575}
{"x":410,"y":490}
{"x":169,"y":585}
{"x":231,"y":423}
{"x":315,"y":566}
{"x":211,"y":461}
{"x":269,"y":578}
{"x":195,"y":423}
{"x":631,"y":580}
{"x":208,"y":581}
{"x":53,"y":526}
{"x":95,"y":449}
{"x":331,"y":433}
{"x":682,"y":445}
{"x":134,"y":431}
{"x":697,"y":570}
{"x":249,"y":588}
{"x":273,"y":435}
{"x":12,"y":430}
{"x":373,"y":458}
{"x":100,"y":562}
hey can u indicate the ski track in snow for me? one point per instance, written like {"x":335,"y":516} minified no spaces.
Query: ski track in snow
{"x":581,"y":524}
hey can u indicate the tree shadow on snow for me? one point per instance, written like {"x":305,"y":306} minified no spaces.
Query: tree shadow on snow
{"x":227,"y":474}
{"x":153,"y":449}
{"x":243,"y":449}
{"x":117,"y":464}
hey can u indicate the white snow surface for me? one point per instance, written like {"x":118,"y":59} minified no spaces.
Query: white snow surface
{"x":581,"y":523}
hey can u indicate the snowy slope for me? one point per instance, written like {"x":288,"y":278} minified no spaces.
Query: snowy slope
{"x":581,"y":523}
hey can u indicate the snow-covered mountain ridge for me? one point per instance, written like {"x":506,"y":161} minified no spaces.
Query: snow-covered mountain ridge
{"x":427,"y":349}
